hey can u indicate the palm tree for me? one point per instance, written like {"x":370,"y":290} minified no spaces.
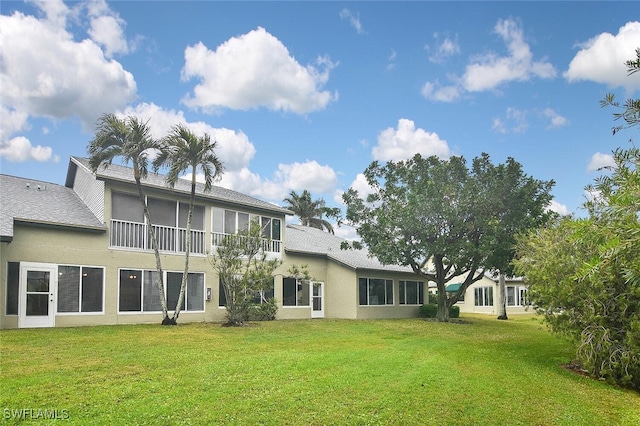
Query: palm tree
{"x":183,"y":150}
{"x":130,"y":139}
{"x":309,"y":211}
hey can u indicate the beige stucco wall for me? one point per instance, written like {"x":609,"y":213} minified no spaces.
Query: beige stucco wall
{"x":468,"y":305}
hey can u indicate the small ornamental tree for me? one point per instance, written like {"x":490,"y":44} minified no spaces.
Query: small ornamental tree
{"x":244,"y":272}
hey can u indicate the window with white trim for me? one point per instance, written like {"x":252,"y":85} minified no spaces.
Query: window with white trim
{"x":259,"y":297}
{"x":483,"y":296}
{"x":375,"y":291}
{"x":80,"y":289}
{"x":139,"y":291}
{"x":295,"y":292}
{"x":517,"y":296}
{"x":230,"y":222}
{"x":411,"y":293}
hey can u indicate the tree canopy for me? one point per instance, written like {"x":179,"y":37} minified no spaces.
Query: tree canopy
{"x":441,"y":218}
{"x":311,"y":211}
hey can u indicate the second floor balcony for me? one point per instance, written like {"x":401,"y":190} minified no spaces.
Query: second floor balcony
{"x":134,"y":235}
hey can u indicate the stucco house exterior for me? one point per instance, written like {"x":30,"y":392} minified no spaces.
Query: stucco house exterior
{"x":78,"y":254}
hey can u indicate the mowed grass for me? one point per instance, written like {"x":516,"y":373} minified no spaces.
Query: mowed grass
{"x":483,"y":372}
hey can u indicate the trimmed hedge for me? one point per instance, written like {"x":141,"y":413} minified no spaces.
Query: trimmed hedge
{"x":430,"y":310}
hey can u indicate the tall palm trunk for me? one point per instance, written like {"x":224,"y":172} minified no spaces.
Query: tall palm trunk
{"x":502,"y":297}
{"x":154,"y":244}
{"x":187,"y":246}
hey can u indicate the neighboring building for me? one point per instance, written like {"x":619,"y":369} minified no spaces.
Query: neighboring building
{"x":79,"y":254}
{"x":482,"y":296}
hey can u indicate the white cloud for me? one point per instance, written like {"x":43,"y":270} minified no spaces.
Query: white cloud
{"x":19,"y":149}
{"x":435,"y":92}
{"x":555,"y":119}
{"x":255,"y":70}
{"x":46,"y":73}
{"x":602,"y":59}
{"x":354,"y":20}
{"x":107,"y":31}
{"x":444,"y":48}
{"x":490,"y":70}
{"x":561,"y":209}
{"x":296,"y":176}
{"x":406,"y":140}
{"x":515,"y":121}
{"x":600,"y":160}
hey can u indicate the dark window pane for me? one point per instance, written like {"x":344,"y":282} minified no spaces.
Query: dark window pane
{"x":389,"y":292}
{"x":289,"y":286}
{"x":266,"y":227}
{"x":38,"y":281}
{"x":229,"y":222}
{"x":151,"y":295}
{"x":174,"y":282}
{"x":243,"y":221}
{"x":37,"y":304}
{"x":92,"y":284}
{"x":197,"y":219}
{"x":126,"y":207}
{"x":401,"y":294}
{"x":222,"y":297}
{"x":303,"y":293}
{"x":195,"y":292}
{"x":420,"y":293}
{"x":162,"y":212}
{"x":13,"y":286}
{"x":275,"y":229}
{"x":362,"y":291}
{"x":130,"y":290}
{"x":68,"y":288}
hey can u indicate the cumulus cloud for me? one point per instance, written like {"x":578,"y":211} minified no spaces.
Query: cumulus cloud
{"x":45,"y":72}
{"x":354,"y":20}
{"x":406,"y":140}
{"x":599,"y":161}
{"x":106,"y":28}
{"x":295,"y":176}
{"x":602,"y":59}
{"x":19,"y":149}
{"x":561,"y":209}
{"x":255,"y":70}
{"x":489,"y":71}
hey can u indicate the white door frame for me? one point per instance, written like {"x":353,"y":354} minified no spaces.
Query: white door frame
{"x":31,"y":321}
{"x":317,"y":299}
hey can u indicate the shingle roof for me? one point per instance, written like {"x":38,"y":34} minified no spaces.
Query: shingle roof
{"x":124,"y":174}
{"x":307,"y":240}
{"x":43,"y":203}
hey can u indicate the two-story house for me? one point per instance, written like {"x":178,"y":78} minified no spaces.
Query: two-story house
{"x":79,"y":254}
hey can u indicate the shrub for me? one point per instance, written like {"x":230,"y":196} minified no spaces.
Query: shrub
{"x":428,"y":310}
{"x":454,"y":312}
{"x":265,"y":311}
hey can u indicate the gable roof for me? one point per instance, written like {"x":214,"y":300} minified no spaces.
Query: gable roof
{"x":41,"y":203}
{"x":306,"y":240}
{"x":118,"y":173}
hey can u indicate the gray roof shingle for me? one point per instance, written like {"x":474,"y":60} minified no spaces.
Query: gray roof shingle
{"x":44,"y":203}
{"x":124,"y":174}
{"x":312,"y":241}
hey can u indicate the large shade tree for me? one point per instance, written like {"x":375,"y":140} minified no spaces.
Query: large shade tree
{"x":183,"y":151}
{"x":129,"y":139}
{"x":311,"y":212}
{"x":436,"y":216}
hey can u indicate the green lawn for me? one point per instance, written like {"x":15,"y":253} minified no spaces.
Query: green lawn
{"x":485,"y":372}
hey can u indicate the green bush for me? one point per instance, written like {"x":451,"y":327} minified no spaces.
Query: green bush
{"x":430,"y":310}
{"x":265,"y":311}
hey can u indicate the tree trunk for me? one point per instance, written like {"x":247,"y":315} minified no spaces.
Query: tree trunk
{"x":154,"y":245}
{"x":187,"y":247}
{"x":502,"y":297}
{"x":443,"y":309}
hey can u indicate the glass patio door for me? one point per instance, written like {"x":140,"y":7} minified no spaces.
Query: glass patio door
{"x":37,"y":295}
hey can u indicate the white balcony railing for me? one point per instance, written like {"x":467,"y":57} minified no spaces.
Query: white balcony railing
{"x":269,"y":246}
{"x":133,"y":235}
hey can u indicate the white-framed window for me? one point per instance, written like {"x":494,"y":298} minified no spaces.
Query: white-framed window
{"x":80,"y":289}
{"x":483,"y":296}
{"x":139,"y":291}
{"x":295,"y":292}
{"x":411,"y":293}
{"x":517,"y":296}
{"x":375,"y":291}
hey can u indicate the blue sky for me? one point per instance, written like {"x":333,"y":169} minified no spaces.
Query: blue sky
{"x":304,"y":95}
